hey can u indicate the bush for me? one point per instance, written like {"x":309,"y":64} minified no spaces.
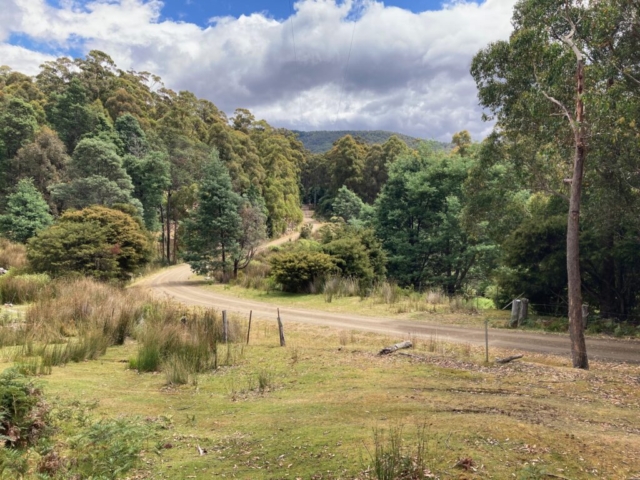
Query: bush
{"x":23,"y":412}
{"x":99,"y":242}
{"x":22,"y":288}
{"x":295,"y":271}
{"x":108,"y":449}
{"x":305,"y":231}
{"x":351,"y":258}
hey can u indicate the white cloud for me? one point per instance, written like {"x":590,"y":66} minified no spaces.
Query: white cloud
{"x":407,"y":72}
{"x":22,"y":59}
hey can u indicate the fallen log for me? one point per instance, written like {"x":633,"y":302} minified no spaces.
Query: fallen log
{"x":396,"y":347}
{"x":508,"y":359}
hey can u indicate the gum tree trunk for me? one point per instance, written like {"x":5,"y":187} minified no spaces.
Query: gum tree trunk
{"x":578,"y":345}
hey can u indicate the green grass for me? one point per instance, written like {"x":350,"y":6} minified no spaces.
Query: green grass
{"x":310,"y":410}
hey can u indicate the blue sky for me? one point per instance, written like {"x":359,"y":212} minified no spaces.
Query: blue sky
{"x":199,"y":11}
{"x":407,"y":71}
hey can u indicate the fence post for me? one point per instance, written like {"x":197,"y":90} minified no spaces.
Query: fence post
{"x":249,"y":329}
{"x":515,"y":313}
{"x":281,"y":330}
{"x":486,"y":340}
{"x":524,"y":310}
{"x":225,"y":326}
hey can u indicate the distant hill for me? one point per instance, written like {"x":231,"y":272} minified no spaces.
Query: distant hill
{"x":322,"y":140}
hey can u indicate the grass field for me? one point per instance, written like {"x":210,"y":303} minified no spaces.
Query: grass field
{"x":310,"y":410}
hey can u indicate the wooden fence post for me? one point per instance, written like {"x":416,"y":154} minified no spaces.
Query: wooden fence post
{"x":515,"y":313}
{"x":524,"y":310}
{"x":249,"y":329}
{"x":486,"y":340}
{"x":281,"y":330}
{"x":225,"y":326}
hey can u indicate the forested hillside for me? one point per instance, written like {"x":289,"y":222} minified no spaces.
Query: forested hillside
{"x":322,"y":141}
{"x":84,"y":132}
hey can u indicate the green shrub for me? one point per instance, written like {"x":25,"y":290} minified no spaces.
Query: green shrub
{"x":295,"y":271}
{"x":97,"y":241}
{"x":107,"y":449}
{"x":23,"y":412}
{"x":305,"y":231}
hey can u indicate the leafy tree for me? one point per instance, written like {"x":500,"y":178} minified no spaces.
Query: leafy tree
{"x":44,"y":160}
{"x":72,"y":115}
{"x":253,"y":232}
{"x":351,"y":258}
{"x":347,"y":205}
{"x":295,"y":271}
{"x":97,"y":241}
{"x":534,"y":258}
{"x":315,"y":178}
{"x":376,"y":167}
{"x":347,"y":163}
{"x":461,"y":142}
{"x":98,"y":177}
{"x":151,"y":178}
{"x":562,"y":60}
{"x":357,"y":252}
{"x":26,"y":213}
{"x":282,"y":155}
{"x":418,"y":219}
{"x":18,"y":124}
{"x":132,"y":136}
{"x":213,"y":230}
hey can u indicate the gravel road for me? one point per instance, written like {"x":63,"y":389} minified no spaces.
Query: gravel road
{"x":174,"y":282}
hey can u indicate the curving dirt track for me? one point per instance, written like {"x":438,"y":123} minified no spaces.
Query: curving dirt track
{"x":175,"y":283}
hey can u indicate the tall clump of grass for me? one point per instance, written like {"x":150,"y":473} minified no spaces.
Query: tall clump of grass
{"x":182,"y":345}
{"x":12,"y":255}
{"x":22,"y":288}
{"x":74,"y":307}
{"x":388,"y":293}
{"x":459,"y":304}
{"x":337,"y":286}
{"x":255,"y":276}
{"x":392,"y":459}
{"x":73,"y":320}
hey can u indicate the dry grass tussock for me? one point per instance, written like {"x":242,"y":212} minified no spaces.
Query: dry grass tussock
{"x":19,"y":289}
{"x":12,"y":255}
{"x":78,"y":319}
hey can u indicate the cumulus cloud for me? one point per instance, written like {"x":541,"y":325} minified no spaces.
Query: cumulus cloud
{"x":406,"y":71}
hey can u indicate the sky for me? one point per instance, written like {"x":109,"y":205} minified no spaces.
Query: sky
{"x":399,"y":65}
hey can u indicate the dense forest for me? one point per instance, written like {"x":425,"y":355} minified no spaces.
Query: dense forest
{"x":477,"y":218}
{"x":321,"y":141}
{"x":83,"y":132}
